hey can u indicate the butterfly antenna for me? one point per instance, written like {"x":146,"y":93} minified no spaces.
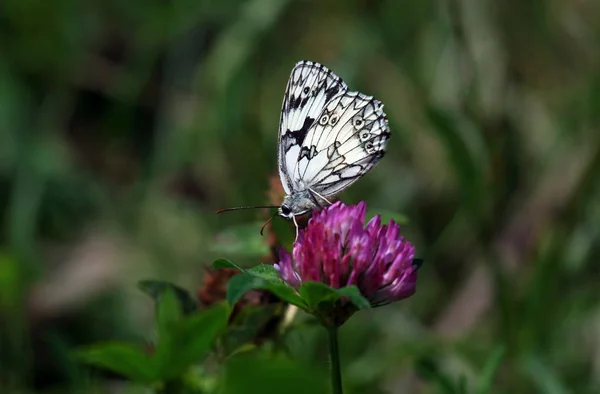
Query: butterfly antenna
{"x":250,"y":207}
{"x":267,"y":222}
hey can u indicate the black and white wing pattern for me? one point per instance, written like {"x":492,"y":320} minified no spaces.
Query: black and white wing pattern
{"x":329,"y":136}
{"x":310,"y":87}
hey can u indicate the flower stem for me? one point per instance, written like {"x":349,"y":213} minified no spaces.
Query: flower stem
{"x":334,"y":352}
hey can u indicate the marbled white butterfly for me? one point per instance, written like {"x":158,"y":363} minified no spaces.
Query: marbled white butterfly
{"x":328,"y":138}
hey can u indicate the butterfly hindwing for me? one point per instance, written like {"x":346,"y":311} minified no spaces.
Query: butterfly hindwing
{"x":309,"y":90}
{"x":348,"y":138}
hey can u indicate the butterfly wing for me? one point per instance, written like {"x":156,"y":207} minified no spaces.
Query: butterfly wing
{"x":346,"y":141}
{"x":310,"y":88}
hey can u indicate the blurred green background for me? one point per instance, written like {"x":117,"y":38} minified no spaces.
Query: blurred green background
{"x":125,"y":124}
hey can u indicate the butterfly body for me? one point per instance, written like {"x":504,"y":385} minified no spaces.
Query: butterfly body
{"x":299,"y":203}
{"x":328,"y":138}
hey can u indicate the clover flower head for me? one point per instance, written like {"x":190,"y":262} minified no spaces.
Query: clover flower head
{"x":338,"y":250}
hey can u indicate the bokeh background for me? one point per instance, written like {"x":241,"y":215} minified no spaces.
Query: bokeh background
{"x":125,"y":124}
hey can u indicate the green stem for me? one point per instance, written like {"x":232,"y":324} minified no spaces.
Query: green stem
{"x":334,"y":352}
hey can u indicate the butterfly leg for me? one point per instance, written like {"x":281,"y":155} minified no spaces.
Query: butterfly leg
{"x":320,"y":196}
{"x":295,"y":224}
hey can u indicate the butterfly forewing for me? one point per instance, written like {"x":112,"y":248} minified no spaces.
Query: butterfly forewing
{"x":310,"y":88}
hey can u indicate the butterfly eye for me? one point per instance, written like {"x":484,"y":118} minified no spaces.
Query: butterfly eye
{"x":333,"y":120}
{"x":358,"y":122}
{"x":324,"y":119}
{"x":285,"y":210}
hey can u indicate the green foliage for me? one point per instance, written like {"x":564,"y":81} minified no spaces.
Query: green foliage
{"x":127,"y":360}
{"x":321,"y":299}
{"x":260,"y":277}
{"x":187,"y":341}
{"x":353,"y":294}
{"x":316,"y":298}
{"x":183,"y":341}
{"x":243,"y":331}
{"x":240,"y":284}
{"x":157,"y":289}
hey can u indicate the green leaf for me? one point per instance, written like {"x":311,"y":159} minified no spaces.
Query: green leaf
{"x":286,"y":293}
{"x":244,"y":282}
{"x":190,"y":340}
{"x":354,"y":296}
{"x":247,"y":324}
{"x":124,"y":359}
{"x":489,"y":370}
{"x":265,"y":271}
{"x":156,"y":288}
{"x":168,"y":314}
{"x":224,"y":263}
{"x":317,"y":293}
{"x":241,"y":240}
{"x":241,"y":284}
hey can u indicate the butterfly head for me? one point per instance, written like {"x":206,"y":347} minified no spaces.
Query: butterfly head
{"x":285,"y":211}
{"x":297,"y":203}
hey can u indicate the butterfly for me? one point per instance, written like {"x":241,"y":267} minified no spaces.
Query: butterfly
{"x":329,"y":137}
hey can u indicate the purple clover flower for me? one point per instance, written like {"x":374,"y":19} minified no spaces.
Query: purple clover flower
{"x":337,"y":250}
